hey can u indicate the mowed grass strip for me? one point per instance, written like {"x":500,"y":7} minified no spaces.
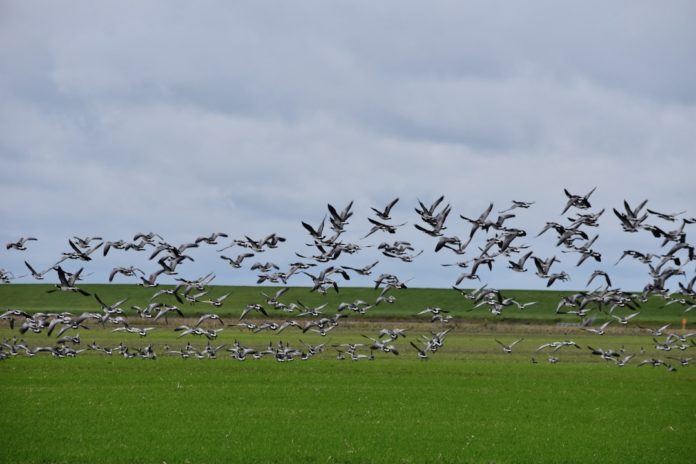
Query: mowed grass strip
{"x":33,"y":298}
{"x":99,"y":409}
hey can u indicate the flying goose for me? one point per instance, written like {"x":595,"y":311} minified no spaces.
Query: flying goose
{"x":37,"y":275}
{"x":383,"y":214}
{"x":517,"y":204}
{"x":19,"y":245}
{"x":508,"y":348}
{"x":67,"y":284}
{"x":580,"y":202}
{"x":237,"y":262}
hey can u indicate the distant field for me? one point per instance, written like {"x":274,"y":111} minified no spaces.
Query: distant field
{"x":33,"y":297}
{"x":469,"y":402}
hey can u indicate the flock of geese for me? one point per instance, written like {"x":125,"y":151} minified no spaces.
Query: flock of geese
{"x":500,"y":244}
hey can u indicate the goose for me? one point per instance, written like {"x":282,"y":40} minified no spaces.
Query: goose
{"x":383,"y":213}
{"x":544,"y":266}
{"x":311,"y":311}
{"x":118,"y":245}
{"x":392,"y":333}
{"x":364,"y":271}
{"x":166,"y":309}
{"x":379,"y":345}
{"x":558,"y":345}
{"x":437,"y":223}
{"x":508,"y":348}
{"x":34,"y":274}
{"x":621,"y":362}
{"x":358,"y":306}
{"x":517,"y":204}
{"x":237,"y":262}
{"x":67,"y":284}
{"x":84,"y":242}
{"x":247,"y":325}
{"x":19,"y":245}
{"x":422,"y":352}
{"x":146,"y":312}
{"x":598,"y":273}
{"x":562,"y":276}
{"x":111,"y":309}
{"x":478,"y":223}
{"x":273,"y":300}
{"x":607,"y":355}
{"x":253,"y":307}
{"x":129,"y":271}
{"x":174,"y":251}
{"x":624,"y":320}
{"x":82,"y":255}
{"x":390,"y":299}
{"x":580,"y":202}
{"x":151,"y":280}
{"x":134,"y":330}
{"x":68,"y":339}
{"x":666,"y":216}
{"x":211,"y":239}
{"x":683,"y":361}
{"x":653,"y":362}
{"x":217,"y":302}
{"x":339,"y":220}
{"x":209,"y":317}
{"x":318,"y":233}
{"x":169,"y":291}
{"x":598,"y":330}
{"x":426,"y":211}
{"x":314,"y":349}
{"x":376,"y":225}
{"x":518,"y":266}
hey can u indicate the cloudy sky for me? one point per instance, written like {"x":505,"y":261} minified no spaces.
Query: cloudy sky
{"x":186,"y":118}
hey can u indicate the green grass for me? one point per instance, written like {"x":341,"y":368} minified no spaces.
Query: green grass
{"x":33,"y":297}
{"x":468,"y":403}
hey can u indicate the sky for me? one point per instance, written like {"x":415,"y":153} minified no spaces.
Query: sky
{"x":187,"y":118}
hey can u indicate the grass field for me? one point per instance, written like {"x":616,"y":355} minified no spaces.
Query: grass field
{"x":33,"y":297}
{"x":469,"y":402}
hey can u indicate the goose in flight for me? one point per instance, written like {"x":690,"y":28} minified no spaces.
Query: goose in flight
{"x":19,"y":245}
{"x":237,"y":262}
{"x":624,"y":319}
{"x":517,"y":204}
{"x":392,"y":333}
{"x":598,"y":273}
{"x":67,"y":284}
{"x":383,"y":214}
{"x":253,"y":307}
{"x":376,"y":225}
{"x":151,"y":281}
{"x":211,"y":239}
{"x":339,"y":220}
{"x":671,"y":217}
{"x":478,"y":223}
{"x":82,"y":255}
{"x":135,"y":330}
{"x":508,"y":348}
{"x":580,"y":202}
{"x":37,"y":275}
{"x":129,"y":271}
{"x":364,"y":271}
{"x":518,"y":266}
{"x":601,"y":330}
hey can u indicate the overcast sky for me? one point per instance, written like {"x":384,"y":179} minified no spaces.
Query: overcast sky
{"x":186,"y":118}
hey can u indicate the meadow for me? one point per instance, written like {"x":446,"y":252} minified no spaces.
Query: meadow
{"x":469,"y":402}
